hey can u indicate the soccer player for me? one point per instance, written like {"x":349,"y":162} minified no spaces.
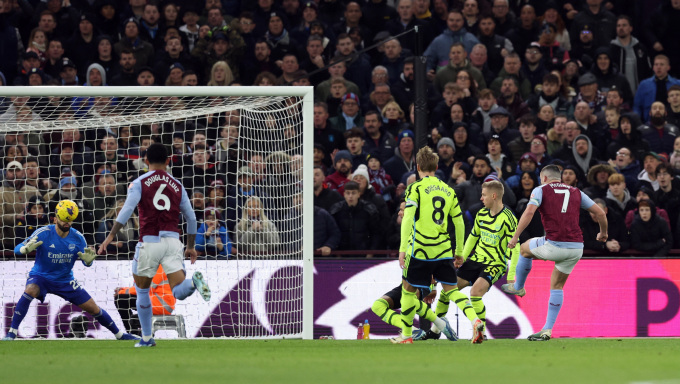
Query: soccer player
{"x":385,"y":305}
{"x":494,"y":226}
{"x":159,"y":198}
{"x":53,"y":273}
{"x":559,"y":205}
{"x":425,"y":250}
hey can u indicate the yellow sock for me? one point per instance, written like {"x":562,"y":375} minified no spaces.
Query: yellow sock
{"x":381,"y":308}
{"x":409,"y":304}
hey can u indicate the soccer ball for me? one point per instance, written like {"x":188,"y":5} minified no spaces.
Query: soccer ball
{"x":67,"y":210}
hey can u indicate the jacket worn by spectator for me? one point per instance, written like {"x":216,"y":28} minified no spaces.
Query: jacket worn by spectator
{"x":397,"y":166}
{"x":359,"y":225}
{"x":660,"y":140}
{"x":326,"y":231}
{"x":646,"y":95}
{"x":620,"y":208}
{"x":437,"y":52}
{"x":619,"y":55}
{"x":615,"y":231}
{"x":469,"y":192}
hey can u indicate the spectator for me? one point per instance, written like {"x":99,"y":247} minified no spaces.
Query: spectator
{"x":104,"y":196}
{"x":598,"y":177}
{"x":109,"y":154}
{"x":499,"y":160}
{"x":289,"y":67}
{"x":673,"y":116}
{"x":35,"y":178}
{"x":202,"y":172}
{"x":324,"y":133}
{"x":539,"y":149}
{"x":470,"y":191}
{"x":222,"y":44}
{"x":127,"y":75}
{"x":95,"y":76}
{"x":404,"y":158}
{"x":142,"y":50}
{"x":446,"y":150}
{"x":356,"y":220}
{"x":107,"y":17}
{"x":654,"y":88}
{"x":324,"y":197}
{"x":406,"y":21}
{"x":350,"y":116}
{"x":326,"y":232}
{"x":659,"y":134}
{"x":628,"y":137}
{"x":660,"y":31}
{"x":212,"y":238}
{"x":667,"y":196}
{"x":619,"y":199}
{"x":260,"y":62}
{"x":255,"y":233}
{"x":526,"y":31}
{"x":342,"y":163}
{"x":354,"y":141}
{"x":526,"y":182}
{"x":512,"y":67}
{"x":220,"y":74}
{"x":503,"y":17}
{"x":608,"y":76}
{"x":647,"y":176}
{"x":500,"y":126}
{"x":380,"y":181}
{"x":497,"y":46}
{"x":82,"y":46}
{"x":172,"y":54}
{"x":315,"y":59}
{"x":618,"y":239}
{"x":377,"y":138}
{"x":14,"y":194}
{"x":35,"y":216}
{"x":511,"y":100}
{"x":570,"y":176}
{"x":369,"y":195}
{"x":675,"y":157}
{"x":629,"y":54}
{"x":582,"y":153}
{"x":583,"y":115}
{"x":465,"y":151}
{"x":589,"y":93}
{"x":481,"y":116}
{"x":379,"y":98}
{"x":457,"y":61}
{"x":437,"y":52}
{"x":553,"y":52}
{"x":556,"y":135}
{"x":53,"y":56}
{"x":526,"y":163}
{"x":627,"y":164}
{"x":533,"y":68}
{"x":65,"y":17}
{"x":549,"y":95}
{"x":337,"y":70}
{"x":126,"y":239}
{"x":145,"y":77}
{"x":522,"y":144}
{"x":68,"y":190}
{"x":358,"y":65}
{"x":597,"y":17}
{"x":649,"y":233}
{"x":645,"y":193}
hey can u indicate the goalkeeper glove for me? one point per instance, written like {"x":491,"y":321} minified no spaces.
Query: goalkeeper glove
{"x":88,"y":256}
{"x":30,"y":246}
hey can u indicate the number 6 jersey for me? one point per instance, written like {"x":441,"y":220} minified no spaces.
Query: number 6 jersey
{"x":160,"y":198}
{"x":429,"y":204}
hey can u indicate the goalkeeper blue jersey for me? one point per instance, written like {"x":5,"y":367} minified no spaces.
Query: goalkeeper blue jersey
{"x":55,"y":257}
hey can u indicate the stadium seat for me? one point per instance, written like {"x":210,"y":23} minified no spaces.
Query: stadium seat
{"x":168,"y":322}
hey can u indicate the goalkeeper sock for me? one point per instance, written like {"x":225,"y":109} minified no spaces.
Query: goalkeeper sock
{"x":463,"y":303}
{"x":104,"y":319}
{"x":409,"y":303}
{"x":144,"y":311}
{"x":479,"y":307}
{"x":21,"y":309}
{"x":554,"y":306}
{"x":523,"y":268}
{"x":381,"y":308}
{"x":184,"y":289}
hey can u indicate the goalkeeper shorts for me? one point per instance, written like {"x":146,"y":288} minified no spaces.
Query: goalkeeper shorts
{"x":70,"y":291}
{"x":168,"y":252}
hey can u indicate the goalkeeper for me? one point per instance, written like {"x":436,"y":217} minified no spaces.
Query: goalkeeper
{"x":57,"y":247}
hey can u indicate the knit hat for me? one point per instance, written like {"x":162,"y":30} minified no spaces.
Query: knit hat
{"x":529,"y":156}
{"x":493,"y":176}
{"x":212,"y":211}
{"x":446,"y":141}
{"x":68,"y":180}
{"x":350,"y":96}
{"x":36,"y":200}
{"x":362,"y":170}
{"x":543,"y":139}
{"x":405,"y":133}
{"x":344,"y":154}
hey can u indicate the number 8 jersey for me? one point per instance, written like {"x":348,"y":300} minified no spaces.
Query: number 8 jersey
{"x":160,"y":198}
{"x":560,"y":207}
{"x":429,"y":204}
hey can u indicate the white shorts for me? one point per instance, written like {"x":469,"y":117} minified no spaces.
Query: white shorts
{"x":565,"y":258}
{"x":169,"y":253}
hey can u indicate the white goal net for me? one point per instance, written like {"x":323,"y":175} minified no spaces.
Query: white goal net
{"x":244,"y":155}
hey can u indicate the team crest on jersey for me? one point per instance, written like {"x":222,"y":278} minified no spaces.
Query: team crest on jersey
{"x":71,"y":247}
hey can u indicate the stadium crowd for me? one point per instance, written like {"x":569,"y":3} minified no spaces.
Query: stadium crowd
{"x":590,"y":85}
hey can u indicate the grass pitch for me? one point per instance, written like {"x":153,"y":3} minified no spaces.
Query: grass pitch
{"x":347,"y":361}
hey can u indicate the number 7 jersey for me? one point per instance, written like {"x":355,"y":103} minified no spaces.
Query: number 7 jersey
{"x":159,"y":198}
{"x":429,"y":204}
{"x":560,"y":207}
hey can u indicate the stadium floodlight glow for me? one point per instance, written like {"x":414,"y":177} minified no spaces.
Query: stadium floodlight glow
{"x":254,"y":136}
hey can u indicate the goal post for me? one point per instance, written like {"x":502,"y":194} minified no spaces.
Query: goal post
{"x":245,"y":156}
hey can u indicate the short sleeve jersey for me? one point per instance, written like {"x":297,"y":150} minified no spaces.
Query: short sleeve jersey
{"x":56,"y":256}
{"x":434,"y":202}
{"x":490,"y":236}
{"x":560,"y":206}
{"x":159,"y":205}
